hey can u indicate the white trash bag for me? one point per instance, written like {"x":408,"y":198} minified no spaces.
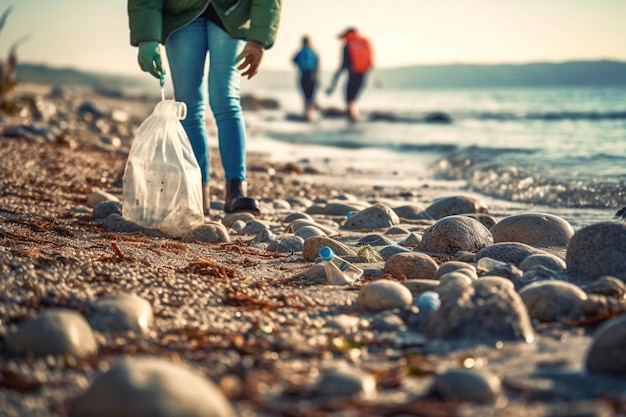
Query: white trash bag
{"x":162,"y":179}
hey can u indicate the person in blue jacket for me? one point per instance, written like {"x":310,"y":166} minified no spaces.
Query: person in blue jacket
{"x":307,"y":61}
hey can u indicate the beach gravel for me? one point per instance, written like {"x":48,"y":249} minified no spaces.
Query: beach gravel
{"x":229,"y":327}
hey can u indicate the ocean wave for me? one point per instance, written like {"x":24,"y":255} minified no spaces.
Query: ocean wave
{"x":486,"y":175}
{"x":441,"y":117}
{"x":552,"y":116}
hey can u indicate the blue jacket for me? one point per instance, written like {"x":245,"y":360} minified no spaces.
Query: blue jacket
{"x":306,"y":59}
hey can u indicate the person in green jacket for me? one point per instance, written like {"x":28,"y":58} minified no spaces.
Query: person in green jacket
{"x":232,"y":32}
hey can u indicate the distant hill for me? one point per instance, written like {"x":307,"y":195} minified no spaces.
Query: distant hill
{"x":42,"y":74}
{"x":573,"y":73}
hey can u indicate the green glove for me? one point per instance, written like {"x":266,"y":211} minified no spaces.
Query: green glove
{"x":150,"y":59}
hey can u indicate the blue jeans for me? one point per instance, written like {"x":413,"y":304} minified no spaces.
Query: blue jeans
{"x":187,"y":52}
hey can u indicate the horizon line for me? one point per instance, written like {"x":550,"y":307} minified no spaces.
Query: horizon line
{"x":400,"y":66}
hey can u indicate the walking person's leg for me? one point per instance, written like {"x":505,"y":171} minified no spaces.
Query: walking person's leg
{"x":308,"y":88}
{"x":186,"y":52}
{"x":224,"y":98}
{"x":355,"y":83}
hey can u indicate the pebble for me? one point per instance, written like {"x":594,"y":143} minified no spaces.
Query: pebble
{"x":341,"y":208}
{"x":54,"y":332}
{"x":295,"y":225}
{"x":377,"y":216}
{"x":309,"y":231}
{"x":547,"y":301}
{"x":459,"y":384}
{"x":452,"y":234}
{"x":546,"y":260}
{"x":412,"y":212}
{"x":346,"y":381}
{"x":450,"y":206}
{"x":230,"y":218}
{"x":598,"y":250}
{"x":483,"y":311}
{"x":148,"y":387}
{"x":384,"y":294}
{"x":412,"y":240}
{"x":287,"y":244}
{"x":210,"y":232}
{"x":254,"y":226}
{"x":121,"y":313}
{"x":456,"y":266}
{"x":535,"y":229}
{"x":264,"y":236}
{"x":311,"y":248}
{"x":485,"y":219}
{"x":606,"y":285}
{"x":106,"y":208}
{"x":375,"y":239}
{"x":455,"y":276}
{"x":606,"y":355}
{"x":297,"y":216}
{"x":511,"y":252}
{"x":411,"y":265}
{"x":387,"y":252}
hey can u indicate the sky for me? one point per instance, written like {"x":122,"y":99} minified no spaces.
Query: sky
{"x":93,"y":35}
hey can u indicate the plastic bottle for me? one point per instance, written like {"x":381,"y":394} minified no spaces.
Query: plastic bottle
{"x":338,"y":270}
{"x":427,"y":302}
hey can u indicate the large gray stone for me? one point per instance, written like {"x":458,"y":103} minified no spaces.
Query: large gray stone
{"x":606,"y":355}
{"x":535,"y":229}
{"x":411,"y":265}
{"x":511,"y":252}
{"x":549,"y":301}
{"x":598,"y":250}
{"x":384,"y":294}
{"x":459,"y":384}
{"x":54,"y":332}
{"x":148,"y":387}
{"x":449,"y":206}
{"x":378,"y":216}
{"x":453,"y":234}
{"x":485,"y":311}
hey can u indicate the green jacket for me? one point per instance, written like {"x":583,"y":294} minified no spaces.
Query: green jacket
{"x":155,"y":20}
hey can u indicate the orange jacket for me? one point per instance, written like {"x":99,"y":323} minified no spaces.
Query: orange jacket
{"x":359,"y":51}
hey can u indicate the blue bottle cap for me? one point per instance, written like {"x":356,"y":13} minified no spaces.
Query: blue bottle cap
{"x":429,"y":300}
{"x":326,"y":253}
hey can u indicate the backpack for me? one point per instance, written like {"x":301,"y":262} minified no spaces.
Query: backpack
{"x":360,"y":53}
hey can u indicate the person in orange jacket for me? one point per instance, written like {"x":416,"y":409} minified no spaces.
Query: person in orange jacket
{"x":358,"y":59}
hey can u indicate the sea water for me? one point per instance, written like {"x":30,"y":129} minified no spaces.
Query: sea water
{"x":560,"y":147}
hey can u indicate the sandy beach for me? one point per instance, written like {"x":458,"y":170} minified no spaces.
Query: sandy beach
{"x":257,"y":318}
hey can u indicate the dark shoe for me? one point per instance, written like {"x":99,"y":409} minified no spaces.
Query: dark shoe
{"x":236,"y":201}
